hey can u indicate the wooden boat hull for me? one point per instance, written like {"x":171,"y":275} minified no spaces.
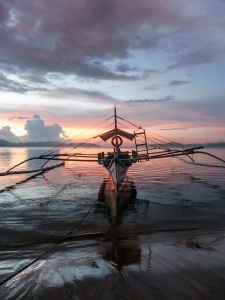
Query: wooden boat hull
{"x":117,"y":172}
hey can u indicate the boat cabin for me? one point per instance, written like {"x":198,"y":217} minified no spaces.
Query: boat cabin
{"x":125,"y":158}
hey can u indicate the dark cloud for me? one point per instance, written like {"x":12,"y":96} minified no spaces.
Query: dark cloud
{"x":168,"y":98}
{"x":7,"y":135}
{"x":195,"y":57}
{"x":91,"y":95}
{"x":38,"y":131}
{"x":94,"y":38}
{"x":19,"y":118}
{"x":8,"y":85}
{"x":178,"y":82}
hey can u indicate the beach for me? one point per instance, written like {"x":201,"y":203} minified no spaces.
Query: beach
{"x":64,"y":234}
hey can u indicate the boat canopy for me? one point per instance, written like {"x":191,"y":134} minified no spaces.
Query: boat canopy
{"x":109,"y":134}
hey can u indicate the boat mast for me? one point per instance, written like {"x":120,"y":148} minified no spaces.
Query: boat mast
{"x":115,"y":119}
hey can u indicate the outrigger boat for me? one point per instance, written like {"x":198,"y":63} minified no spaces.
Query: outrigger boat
{"x":117,"y":162}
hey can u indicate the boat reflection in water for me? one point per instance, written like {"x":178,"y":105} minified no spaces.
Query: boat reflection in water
{"x":117,"y":202}
{"x":121,"y":248}
{"x":122,"y":251}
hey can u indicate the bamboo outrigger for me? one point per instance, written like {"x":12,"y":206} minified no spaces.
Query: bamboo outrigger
{"x":117,"y":162}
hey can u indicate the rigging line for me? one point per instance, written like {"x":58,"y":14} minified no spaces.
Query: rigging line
{"x":81,"y":151}
{"x":163,"y":146}
{"x":48,"y":250}
{"x":167,"y":146}
{"x":67,"y":145}
{"x":78,"y":135}
{"x":103,"y":130}
{"x":171,"y":143}
{"x":152,"y":140}
{"x":85,"y":149}
{"x":124,"y":126}
{"x":78,"y":145}
{"x":181,"y":145}
{"x":90,"y":147}
{"x":81,"y":143}
{"x":128,"y":122}
{"x":88,"y":130}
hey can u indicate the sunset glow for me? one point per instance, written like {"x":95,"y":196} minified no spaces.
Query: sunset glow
{"x":161,"y":62}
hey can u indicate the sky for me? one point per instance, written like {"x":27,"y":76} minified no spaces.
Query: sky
{"x":65,"y":64}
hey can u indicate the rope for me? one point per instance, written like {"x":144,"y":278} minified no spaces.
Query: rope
{"x":77,"y":136}
{"x":173,"y":142}
{"x":128,"y":122}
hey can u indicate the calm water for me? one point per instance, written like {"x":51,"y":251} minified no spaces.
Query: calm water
{"x":165,"y":239}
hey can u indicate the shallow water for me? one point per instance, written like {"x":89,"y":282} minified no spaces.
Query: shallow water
{"x":164,"y":240}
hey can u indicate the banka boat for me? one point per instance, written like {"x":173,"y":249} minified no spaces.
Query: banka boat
{"x":117,"y":162}
{"x":146,"y":147}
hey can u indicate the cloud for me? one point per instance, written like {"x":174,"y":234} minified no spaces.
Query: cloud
{"x":194,"y":57}
{"x":96,"y":39}
{"x":79,"y":94}
{"x":19,"y":118}
{"x":7,"y":135}
{"x":168,"y":98}
{"x":173,"y":129}
{"x":8,"y":85}
{"x":178,"y":82}
{"x":153,"y":87}
{"x":38,"y":131}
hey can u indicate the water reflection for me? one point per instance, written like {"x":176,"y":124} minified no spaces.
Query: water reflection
{"x":120,"y":248}
{"x":10,"y":187}
{"x":117,"y":203}
{"x":122,"y":251}
{"x":6,"y":157}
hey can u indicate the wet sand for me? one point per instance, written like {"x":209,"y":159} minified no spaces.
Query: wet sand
{"x":138,"y":250}
{"x":165,"y":240}
{"x":172,"y":265}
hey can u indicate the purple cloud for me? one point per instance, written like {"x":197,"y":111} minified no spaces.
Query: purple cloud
{"x":93,"y":38}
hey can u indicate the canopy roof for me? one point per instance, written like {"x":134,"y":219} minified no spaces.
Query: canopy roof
{"x":109,"y":134}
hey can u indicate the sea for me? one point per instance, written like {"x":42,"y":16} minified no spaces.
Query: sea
{"x":65,"y":235}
